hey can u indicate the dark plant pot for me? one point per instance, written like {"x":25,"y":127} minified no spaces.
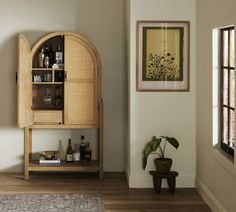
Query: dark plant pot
{"x":163,"y":165}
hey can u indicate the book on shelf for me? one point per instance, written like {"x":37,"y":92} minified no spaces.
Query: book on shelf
{"x":49,"y":162}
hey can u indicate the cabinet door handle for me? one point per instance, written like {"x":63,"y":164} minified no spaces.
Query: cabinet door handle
{"x":16,"y":77}
{"x":65,"y":78}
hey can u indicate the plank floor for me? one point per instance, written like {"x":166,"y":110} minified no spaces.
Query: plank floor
{"x":114,"y":189}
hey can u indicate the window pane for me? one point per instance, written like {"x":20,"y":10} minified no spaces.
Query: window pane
{"x":225,"y":87}
{"x":232,"y":88}
{"x":232,"y":48}
{"x":225,"y":125}
{"x":232,"y":127}
{"x":225,"y":50}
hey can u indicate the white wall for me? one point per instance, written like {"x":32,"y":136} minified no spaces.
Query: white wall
{"x":102,"y":22}
{"x":216,"y":175}
{"x":162,"y":113}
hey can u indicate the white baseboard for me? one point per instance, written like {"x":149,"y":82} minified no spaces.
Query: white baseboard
{"x":209,"y":198}
{"x":127,"y":174}
{"x":146,"y":181}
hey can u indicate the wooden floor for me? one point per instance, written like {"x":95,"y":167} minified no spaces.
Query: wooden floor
{"x":114,"y":189}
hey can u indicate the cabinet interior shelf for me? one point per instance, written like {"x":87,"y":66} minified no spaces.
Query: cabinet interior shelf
{"x":85,"y":166}
{"x":47,"y":69}
{"x":47,"y":83}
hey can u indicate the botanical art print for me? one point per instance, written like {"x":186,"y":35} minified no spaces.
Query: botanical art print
{"x":163,"y":56}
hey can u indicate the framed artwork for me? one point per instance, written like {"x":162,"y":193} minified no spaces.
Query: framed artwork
{"x":163,"y":55}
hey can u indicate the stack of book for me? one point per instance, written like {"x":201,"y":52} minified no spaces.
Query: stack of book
{"x":43,"y":161}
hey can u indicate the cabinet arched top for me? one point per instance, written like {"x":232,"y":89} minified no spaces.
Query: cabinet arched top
{"x":86,"y":43}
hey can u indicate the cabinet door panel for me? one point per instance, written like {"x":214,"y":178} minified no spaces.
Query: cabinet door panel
{"x":78,"y":59}
{"x":81,"y":93}
{"x":80,"y":106}
{"x":24,"y":84}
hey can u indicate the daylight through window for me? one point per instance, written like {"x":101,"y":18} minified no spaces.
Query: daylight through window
{"x":227,"y":97}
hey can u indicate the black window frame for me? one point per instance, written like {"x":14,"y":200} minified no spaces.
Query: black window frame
{"x":226,"y":147}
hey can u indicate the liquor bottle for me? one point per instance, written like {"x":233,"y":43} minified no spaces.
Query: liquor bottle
{"x":41,"y":56}
{"x":57,"y":99}
{"x":76,"y":156}
{"x":51,"y":57}
{"x":59,"y":76}
{"x":46,"y":60}
{"x":59,"y":55}
{"x":69,"y":152}
{"x":82,"y":148}
{"x":88,"y":152}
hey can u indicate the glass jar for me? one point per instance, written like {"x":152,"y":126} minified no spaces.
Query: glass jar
{"x":47,"y":99}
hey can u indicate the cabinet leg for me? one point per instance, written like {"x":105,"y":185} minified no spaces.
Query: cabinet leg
{"x":26,"y":175}
{"x":26,"y":152}
{"x":30,"y":144}
{"x":100,"y":174}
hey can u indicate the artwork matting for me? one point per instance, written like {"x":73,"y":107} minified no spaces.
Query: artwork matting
{"x":163,"y":55}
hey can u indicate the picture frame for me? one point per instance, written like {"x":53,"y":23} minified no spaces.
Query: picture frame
{"x":163,"y":56}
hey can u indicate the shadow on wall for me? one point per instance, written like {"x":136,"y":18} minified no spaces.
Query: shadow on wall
{"x":18,"y":168}
{"x":8,"y":61}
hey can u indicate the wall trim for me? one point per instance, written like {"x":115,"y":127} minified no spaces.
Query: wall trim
{"x":208,"y":197}
{"x":127,"y":175}
{"x":146,"y":181}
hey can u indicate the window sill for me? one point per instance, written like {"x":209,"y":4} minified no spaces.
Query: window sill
{"x":224,"y":160}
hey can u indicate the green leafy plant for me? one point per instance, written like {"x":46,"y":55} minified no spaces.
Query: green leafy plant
{"x":154,"y":145}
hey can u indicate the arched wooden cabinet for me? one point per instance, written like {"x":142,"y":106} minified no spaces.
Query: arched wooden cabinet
{"x":78,"y":83}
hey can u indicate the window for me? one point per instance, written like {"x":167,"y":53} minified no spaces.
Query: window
{"x":227,"y":90}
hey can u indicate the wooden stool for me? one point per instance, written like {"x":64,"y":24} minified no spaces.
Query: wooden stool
{"x":157,"y":179}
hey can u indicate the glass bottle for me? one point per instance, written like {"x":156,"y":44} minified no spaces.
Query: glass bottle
{"x":59,"y":55}
{"x":82,"y":148}
{"x":46,"y":58}
{"x":88,"y":152}
{"x":58,"y":99}
{"x":41,"y":57}
{"x":76,"y":156}
{"x":59,"y":76}
{"x":51,"y":57}
{"x":69,"y":152}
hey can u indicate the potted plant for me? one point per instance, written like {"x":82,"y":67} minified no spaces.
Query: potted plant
{"x":162,"y":163}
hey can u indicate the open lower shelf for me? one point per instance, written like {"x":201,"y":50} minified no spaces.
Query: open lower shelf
{"x":82,"y":166}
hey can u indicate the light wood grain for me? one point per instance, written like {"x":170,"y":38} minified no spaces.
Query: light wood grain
{"x":48,"y":117}
{"x":81,"y":83}
{"x":82,"y":166}
{"x":80,"y":103}
{"x":64,"y":126}
{"x":82,"y":96}
{"x":30,"y":143}
{"x":24,"y":86}
{"x":27,"y":146}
